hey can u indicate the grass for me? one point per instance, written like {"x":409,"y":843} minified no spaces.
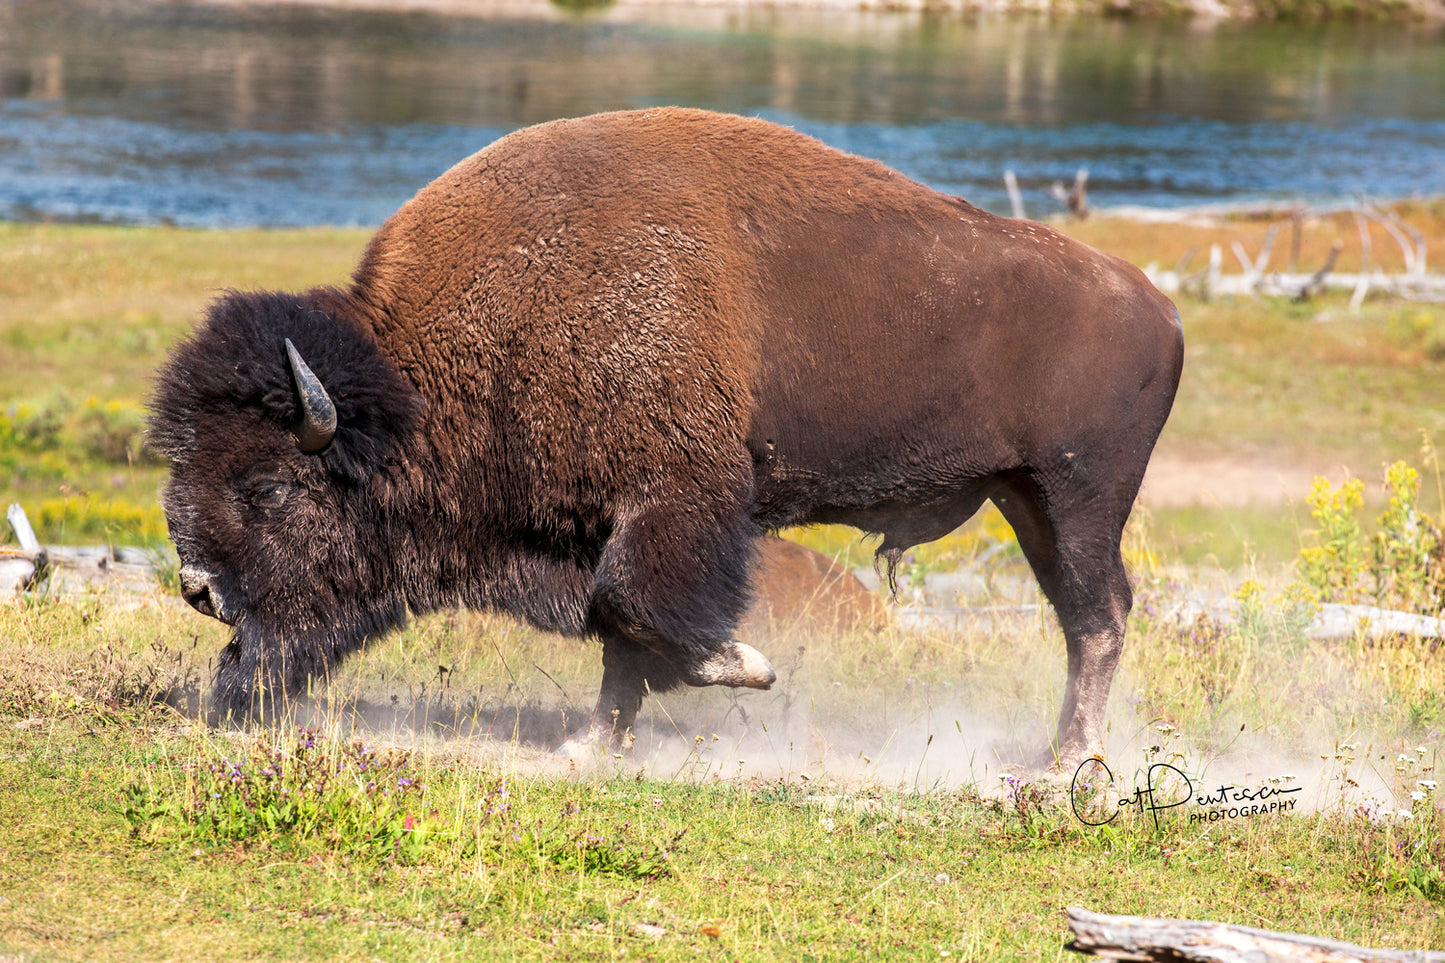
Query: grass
{"x":818,"y":828}
{"x":92,"y":309}
{"x":855,"y":811}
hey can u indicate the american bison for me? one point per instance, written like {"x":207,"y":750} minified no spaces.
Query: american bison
{"x":580,"y":373}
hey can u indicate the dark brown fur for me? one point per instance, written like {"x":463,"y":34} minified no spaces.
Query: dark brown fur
{"x":623,"y":347}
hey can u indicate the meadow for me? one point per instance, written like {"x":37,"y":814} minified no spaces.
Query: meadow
{"x":872,"y":805}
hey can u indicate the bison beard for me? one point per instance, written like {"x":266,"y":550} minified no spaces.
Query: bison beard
{"x":579,"y":374}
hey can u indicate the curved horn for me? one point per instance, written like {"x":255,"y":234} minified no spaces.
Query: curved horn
{"x":317,"y":424}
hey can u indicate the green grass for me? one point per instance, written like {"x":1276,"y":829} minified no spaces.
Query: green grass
{"x":1227,"y":539}
{"x":739,"y":848}
{"x":1267,"y":380}
{"x":753,"y":872}
{"x":853,"y":812}
{"x":92,"y":309}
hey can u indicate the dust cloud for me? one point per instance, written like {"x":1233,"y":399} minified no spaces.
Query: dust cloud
{"x":821,"y":727}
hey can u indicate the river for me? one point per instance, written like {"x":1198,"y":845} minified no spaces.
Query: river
{"x":250,"y":114}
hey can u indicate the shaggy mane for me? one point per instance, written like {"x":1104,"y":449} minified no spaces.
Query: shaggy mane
{"x":236,"y":361}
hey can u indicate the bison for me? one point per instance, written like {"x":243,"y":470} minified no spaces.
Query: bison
{"x":579,"y":374}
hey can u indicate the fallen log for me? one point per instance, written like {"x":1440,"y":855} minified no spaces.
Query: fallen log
{"x":1413,"y":284}
{"x":1333,"y":621}
{"x":30,"y":566}
{"x":1415,"y":287}
{"x":1187,"y":941}
{"x":63,"y":569}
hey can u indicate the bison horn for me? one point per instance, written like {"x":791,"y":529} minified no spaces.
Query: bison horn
{"x":317,"y":424}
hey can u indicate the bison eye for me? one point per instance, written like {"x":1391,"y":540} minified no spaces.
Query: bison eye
{"x":269,"y":492}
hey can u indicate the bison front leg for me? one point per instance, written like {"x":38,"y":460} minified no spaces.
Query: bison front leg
{"x":625,"y":680}
{"x":737,"y":665}
{"x":629,"y":673}
{"x":666,"y":596}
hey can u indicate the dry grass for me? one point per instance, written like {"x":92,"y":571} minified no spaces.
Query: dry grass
{"x":1168,"y":244}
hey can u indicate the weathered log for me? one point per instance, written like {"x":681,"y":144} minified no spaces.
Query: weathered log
{"x":1418,"y":267}
{"x":1414,"y":253}
{"x":1296,"y":239}
{"x":1414,"y":287}
{"x":17,"y":571}
{"x":1015,"y":199}
{"x":62,"y":569}
{"x":21,"y":524}
{"x":30,"y":568}
{"x":1362,"y":224}
{"x":1317,"y":280}
{"x":1075,"y":199}
{"x":1187,"y":941}
{"x":1333,"y":621}
{"x":1414,"y":283}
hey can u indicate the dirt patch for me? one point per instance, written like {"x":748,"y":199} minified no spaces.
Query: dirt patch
{"x":1178,"y":481}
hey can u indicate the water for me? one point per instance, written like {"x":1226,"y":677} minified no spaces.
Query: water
{"x":223,"y":115}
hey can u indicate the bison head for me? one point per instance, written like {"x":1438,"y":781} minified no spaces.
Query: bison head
{"x":284,"y":426}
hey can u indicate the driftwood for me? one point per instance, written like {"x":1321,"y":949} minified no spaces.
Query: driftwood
{"x":1332,"y":622}
{"x":1413,"y":284}
{"x":1317,"y":280}
{"x":62,"y":569}
{"x":1211,"y":282}
{"x":1075,"y":199}
{"x":28,"y":542}
{"x":1015,"y":199}
{"x":1187,"y":941}
{"x":30,"y":566}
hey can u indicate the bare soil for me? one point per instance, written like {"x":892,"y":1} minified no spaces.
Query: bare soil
{"x":1183,"y":479}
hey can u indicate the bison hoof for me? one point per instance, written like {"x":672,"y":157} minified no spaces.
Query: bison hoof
{"x":592,"y":745}
{"x":583,"y":747}
{"x":738,"y":665}
{"x":1064,"y":761}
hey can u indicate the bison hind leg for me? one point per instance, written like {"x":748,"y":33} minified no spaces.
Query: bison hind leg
{"x":1072,"y":542}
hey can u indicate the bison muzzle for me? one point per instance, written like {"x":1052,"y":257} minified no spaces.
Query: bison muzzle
{"x":578,"y":375}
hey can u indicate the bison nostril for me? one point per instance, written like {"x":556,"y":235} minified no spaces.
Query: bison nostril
{"x":196,"y":590}
{"x":200,"y":600}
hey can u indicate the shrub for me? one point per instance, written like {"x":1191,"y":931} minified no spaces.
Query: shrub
{"x":110,"y":519}
{"x":113,"y":431}
{"x":1400,"y":565}
{"x":30,"y":428}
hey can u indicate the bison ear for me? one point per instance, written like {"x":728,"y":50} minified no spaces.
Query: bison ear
{"x":317,"y":424}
